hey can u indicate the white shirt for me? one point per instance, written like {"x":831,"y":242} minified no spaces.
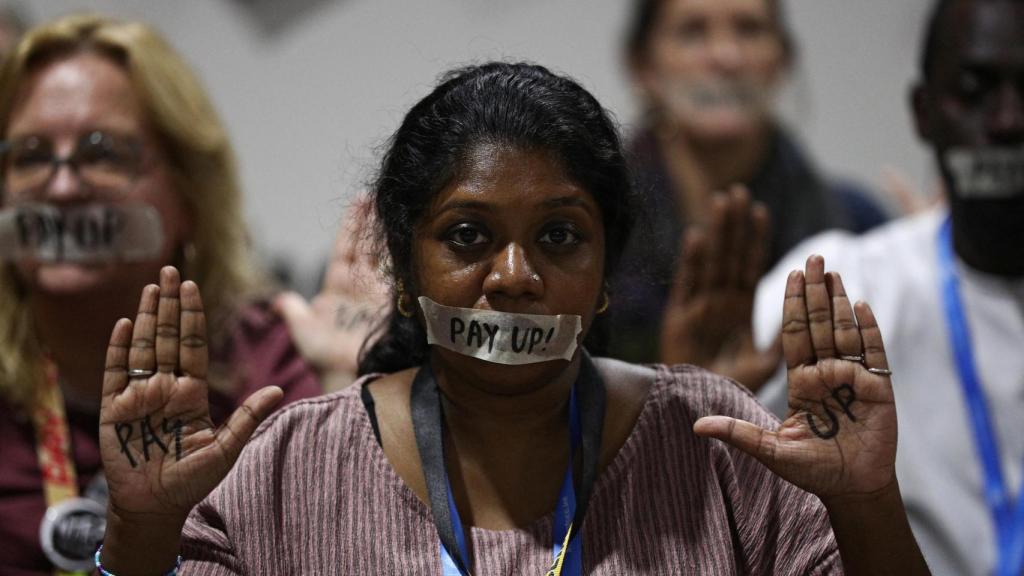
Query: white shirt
{"x":895,"y":269}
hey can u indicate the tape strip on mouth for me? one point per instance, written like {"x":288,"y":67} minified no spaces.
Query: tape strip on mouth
{"x":501,"y":337}
{"x":91,"y":233}
{"x":987,"y":173}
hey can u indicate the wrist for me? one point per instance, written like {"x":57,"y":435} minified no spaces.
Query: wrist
{"x":883,"y":498}
{"x":143,"y":546}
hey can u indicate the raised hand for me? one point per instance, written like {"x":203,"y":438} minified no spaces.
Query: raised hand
{"x":330,"y":330}
{"x":709,"y":315}
{"x":161,"y":452}
{"x":839,"y":439}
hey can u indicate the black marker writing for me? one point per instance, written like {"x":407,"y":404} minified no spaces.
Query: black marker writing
{"x":349,"y":317}
{"x":457,"y":327}
{"x":124,"y":433}
{"x":844,"y":396}
{"x":174,"y":428}
{"x":478,"y":334}
{"x":531,"y":337}
{"x":149,"y":437}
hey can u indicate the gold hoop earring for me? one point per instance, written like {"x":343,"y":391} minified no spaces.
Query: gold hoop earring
{"x":400,"y":302}
{"x":604,"y":303}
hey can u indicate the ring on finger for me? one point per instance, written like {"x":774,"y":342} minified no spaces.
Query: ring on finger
{"x":880,"y":371}
{"x":140,"y":373}
{"x":858,"y":358}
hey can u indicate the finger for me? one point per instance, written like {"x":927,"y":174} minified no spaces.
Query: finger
{"x":243,"y":422}
{"x":874,"y":350}
{"x":294,"y":309}
{"x":115,"y":370}
{"x":750,"y":438}
{"x":141,"y":356}
{"x":714,"y":269}
{"x":193,"y":353}
{"x":688,"y":277}
{"x":796,"y":340}
{"x":757,"y":247}
{"x":845,"y":331}
{"x":168,"y":320}
{"x":739,"y":234}
{"x":819,"y":309}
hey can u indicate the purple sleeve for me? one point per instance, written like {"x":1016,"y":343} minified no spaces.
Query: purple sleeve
{"x":259,"y":352}
{"x":780,"y":528}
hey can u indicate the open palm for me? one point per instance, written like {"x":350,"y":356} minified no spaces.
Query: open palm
{"x":161,"y":452}
{"x":839,"y":438}
{"x":708,"y":320}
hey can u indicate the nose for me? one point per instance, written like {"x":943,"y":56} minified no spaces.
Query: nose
{"x":725,"y":51}
{"x":65,"y":184}
{"x":1006,"y":124}
{"x":512,"y":276}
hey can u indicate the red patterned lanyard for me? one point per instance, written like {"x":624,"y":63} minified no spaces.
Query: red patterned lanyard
{"x":53,"y":441}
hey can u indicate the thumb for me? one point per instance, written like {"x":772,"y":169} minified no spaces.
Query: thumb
{"x":747,"y":437}
{"x":293,"y":308}
{"x":233,"y":436}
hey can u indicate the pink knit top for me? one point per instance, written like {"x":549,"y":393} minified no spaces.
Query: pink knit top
{"x":313,"y":493}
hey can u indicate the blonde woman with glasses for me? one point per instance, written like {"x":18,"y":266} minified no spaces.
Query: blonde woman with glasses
{"x":113,"y":164}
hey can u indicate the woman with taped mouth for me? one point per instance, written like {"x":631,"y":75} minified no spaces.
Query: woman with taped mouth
{"x":707,"y":73}
{"x":113,"y":164}
{"x":482,"y":438}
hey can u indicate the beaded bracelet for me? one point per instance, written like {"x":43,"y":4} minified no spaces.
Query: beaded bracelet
{"x":104,"y":572}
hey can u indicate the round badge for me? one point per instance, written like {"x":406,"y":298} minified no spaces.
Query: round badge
{"x":71,"y":531}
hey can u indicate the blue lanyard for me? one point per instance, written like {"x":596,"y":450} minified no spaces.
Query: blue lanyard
{"x":1007,"y":516}
{"x":572,"y":564}
{"x":586,"y":423}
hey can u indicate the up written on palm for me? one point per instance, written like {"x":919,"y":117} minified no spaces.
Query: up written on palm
{"x":161,"y":452}
{"x":839,"y":438}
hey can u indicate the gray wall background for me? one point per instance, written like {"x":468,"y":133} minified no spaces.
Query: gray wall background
{"x":310,"y":93}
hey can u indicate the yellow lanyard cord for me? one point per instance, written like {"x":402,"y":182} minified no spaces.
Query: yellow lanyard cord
{"x":53,"y":444}
{"x":556,"y":567}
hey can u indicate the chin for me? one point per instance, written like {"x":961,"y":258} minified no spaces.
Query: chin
{"x":65,"y":279}
{"x":723,"y":126}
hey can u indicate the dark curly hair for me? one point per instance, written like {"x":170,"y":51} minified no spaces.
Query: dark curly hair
{"x":519,"y":105}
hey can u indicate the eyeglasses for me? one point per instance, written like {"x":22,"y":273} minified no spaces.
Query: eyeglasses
{"x":101,"y":160}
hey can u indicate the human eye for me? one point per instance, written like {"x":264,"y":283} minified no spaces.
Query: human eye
{"x":972,"y":85}
{"x":466,"y":235}
{"x":750,"y":27}
{"x":560,"y":235}
{"x":30,"y":152}
{"x":106,"y":150}
{"x":691,"y":31}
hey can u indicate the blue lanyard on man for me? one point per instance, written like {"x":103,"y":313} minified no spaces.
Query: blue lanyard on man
{"x":1007,"y":516}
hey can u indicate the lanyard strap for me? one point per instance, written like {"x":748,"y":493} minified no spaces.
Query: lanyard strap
{"x":53,"y":441}
{"x":586,"y":423}
{"x":1007,"y":517}
{"x":53,"y":444}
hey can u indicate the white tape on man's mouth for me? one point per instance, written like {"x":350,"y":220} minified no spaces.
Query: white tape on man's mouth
{"x":987,"y":173}
{"x":83,"y":233}
{"x":501,"y":337}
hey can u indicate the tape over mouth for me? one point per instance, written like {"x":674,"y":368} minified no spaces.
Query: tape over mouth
{"x":92,"y":233}
{"x":987,"y":173}
{"x":501,"y":337}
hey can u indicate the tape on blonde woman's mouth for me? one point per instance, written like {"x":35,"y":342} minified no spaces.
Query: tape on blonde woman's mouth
{"x":501,"y":337}
{"x":90,"y":233}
